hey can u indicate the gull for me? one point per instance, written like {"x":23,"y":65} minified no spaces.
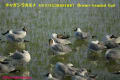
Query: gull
{"x":6,"y":68}
{"x":59,"y":48}
{"x":79,"y":34}
{"x":20,"y":57}
{"x":59,"y":38}
{"x":112,"y":54}
{"x":16,"y":36}
{"x":110,"y":37}
{"x":83,"y":75}
{"x":62,"y":70}
{"x":49,"y":76}
{"x":96,"y":46}
{"x":111,"y":41}
{"x":68,"y":70}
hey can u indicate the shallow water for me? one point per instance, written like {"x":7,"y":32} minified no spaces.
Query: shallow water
{"x":41,"y":22}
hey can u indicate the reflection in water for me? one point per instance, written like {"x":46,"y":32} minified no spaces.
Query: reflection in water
{"x":77,"y":44}
{"x":60,"y":58}
{"x":23,"y":72}
{"x":112,"y":67}
{"x":80,"y":42}
{"x":98,"y":21}
{"x":93,"y":55}
{"x":12,"y":47}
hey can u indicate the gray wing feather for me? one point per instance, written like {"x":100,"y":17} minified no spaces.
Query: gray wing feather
{"x":61,"y":48}
{"x":93,"y":46}
{"x":17,"y":32}
{"x":78,"y":34}
{"x":113,"y":54}
{"x":11,"y":37}
{"x":17,"y":56}
{"x":62,"y":69}
{"x":15,"y":39}
{"x":82,"y":35}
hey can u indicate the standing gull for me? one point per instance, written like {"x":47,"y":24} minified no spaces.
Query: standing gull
{"x":15,"y":36}
{"x":59,"y":38}
{"x":79,"y":34}
{"x":96,"y":46}
{"x":20,"y":57}
{"x":59,"y":48}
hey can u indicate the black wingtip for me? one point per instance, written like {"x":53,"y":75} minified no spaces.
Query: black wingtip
{"x":26,"y":41}
{"x":15,"y":71}
{"x":4,"y":62}
{"x":93,"y":76}
{"x":117,"y":72}
{"x":93,"y":36}
{"x":66,"y":37}
{"x":113,"y":36}
{"x":5,"y":33}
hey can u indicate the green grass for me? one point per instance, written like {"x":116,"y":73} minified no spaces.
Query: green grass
{"x":41,"y":22}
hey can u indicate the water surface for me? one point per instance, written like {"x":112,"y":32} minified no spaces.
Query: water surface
{"x":41,"y":22}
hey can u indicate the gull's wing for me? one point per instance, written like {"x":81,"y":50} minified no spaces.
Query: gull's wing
{"x":61,"y":48}
{"x":17,"y":32}
{"x":17,"y":55}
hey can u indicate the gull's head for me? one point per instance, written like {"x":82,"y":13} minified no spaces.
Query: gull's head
{"x":110,"y":37}
{"x":75,"y":29}
{"x":78,"y":30}
{"x":10,"y":31}
{"x":51,"y":42}
{"x":48,"y":75}
{"x":54,"y":35}
{"x":95,"y":42}
{"x":70,"y":65}
{"x":113,"y":36}
{"x":83,"y":72}
{"x":24,"y":29}
{"x":107,"y":36}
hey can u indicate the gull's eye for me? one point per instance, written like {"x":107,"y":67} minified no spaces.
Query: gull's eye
{"x":98,"y":42}
{"x":22,"y":51}
{"x":76,"y":73}
{"x":47,"y":74}
{"x":75,"y":29}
